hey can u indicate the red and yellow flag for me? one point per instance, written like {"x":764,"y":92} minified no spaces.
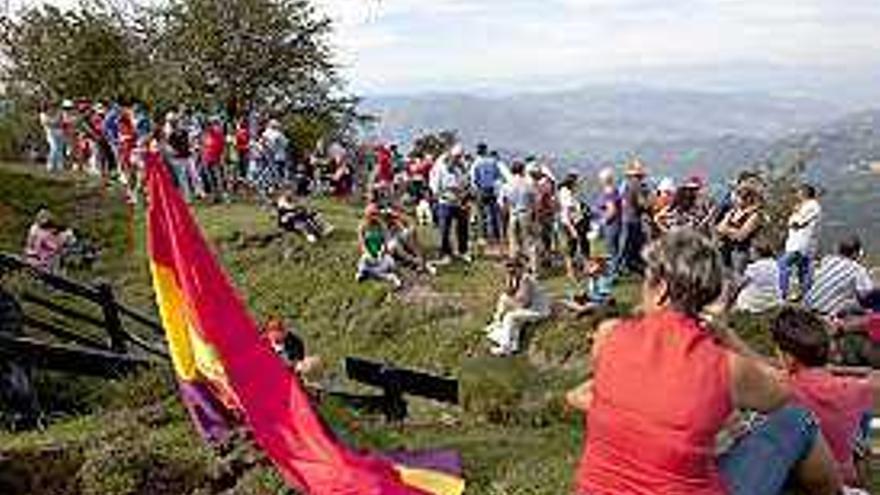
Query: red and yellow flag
{"x":228,"y":374}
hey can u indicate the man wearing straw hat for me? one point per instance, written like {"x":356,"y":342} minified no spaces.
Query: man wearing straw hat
{"x":634,"y":206}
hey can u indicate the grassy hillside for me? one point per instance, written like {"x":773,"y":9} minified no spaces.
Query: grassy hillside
{"x":132,"y":437}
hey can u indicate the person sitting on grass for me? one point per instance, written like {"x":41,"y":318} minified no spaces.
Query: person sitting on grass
{"x":857,"y":340}
{"x":596,"y":288}
{"x":522,"y":302}
{"x":403,"y":243}
{"x":46,"y":242}
{"x":376,"y":261}
{"x":758,"y":290}
{"x":294,"y":216}
{"x":841,"y":283}
{"x":842,"y":404}
{"x":289,"y":347}
{"x":665,"y":384}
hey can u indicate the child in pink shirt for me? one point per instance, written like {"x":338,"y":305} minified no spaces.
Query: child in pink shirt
{"x":839,"y":402}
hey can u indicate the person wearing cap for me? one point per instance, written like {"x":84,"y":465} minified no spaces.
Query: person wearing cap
{"x":574,"y":218}
{"x":486,"y":179}
{"x":376,"y":261}
{"x":685,"y":209}
{"x":521,"y":303}
{"x":450,"y":186}
{"x":634,"y":206}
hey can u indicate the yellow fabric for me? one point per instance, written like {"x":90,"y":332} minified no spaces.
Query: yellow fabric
{"x":191,"y":356}
{"x":431,"y":481}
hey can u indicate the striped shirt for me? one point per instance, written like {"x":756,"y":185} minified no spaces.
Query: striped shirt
{"x":838,"y":283}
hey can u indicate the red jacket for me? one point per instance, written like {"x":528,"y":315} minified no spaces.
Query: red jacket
{"x":213,"y":144}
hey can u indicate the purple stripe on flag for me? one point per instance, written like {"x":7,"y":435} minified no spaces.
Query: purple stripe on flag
{"x":442,"y":460}
{"x":212,"y":419}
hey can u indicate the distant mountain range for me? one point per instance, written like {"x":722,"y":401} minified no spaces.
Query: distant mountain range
{"x":675,"y":131}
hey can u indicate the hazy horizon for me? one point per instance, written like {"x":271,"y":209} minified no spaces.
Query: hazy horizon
{"x":822,"y":49}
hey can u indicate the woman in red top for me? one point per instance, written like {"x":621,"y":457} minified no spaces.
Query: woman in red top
{"x":664,"y":386}
{"x":243,"y":147}
{"x":213,"y":145}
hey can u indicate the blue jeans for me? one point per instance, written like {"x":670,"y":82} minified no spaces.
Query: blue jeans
{"x":611,"y":237}
{"x":803,"y":263}
{"x":632,"y":240}
{"x":490,"y":216}
{"x":447,"y":214}
{"x":761,"y":462}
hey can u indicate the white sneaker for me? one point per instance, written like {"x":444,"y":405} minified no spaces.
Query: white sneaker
{"x":499,"y":351}
{"x":431,"y":269}
{"x":467,"y":258}
{"x":312,"y":239}
{"x":446,"y":260}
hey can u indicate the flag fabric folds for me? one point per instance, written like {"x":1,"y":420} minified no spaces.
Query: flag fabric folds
{"x":228,"y":375}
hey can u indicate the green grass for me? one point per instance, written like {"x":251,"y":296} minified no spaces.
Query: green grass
{"x":132,"y":437}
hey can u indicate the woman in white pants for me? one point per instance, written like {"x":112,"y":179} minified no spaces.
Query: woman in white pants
{"x":521,"y":303}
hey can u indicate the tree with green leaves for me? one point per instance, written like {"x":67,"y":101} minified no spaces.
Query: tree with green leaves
{"x":50,"y":53}
{"x":271,"y":56}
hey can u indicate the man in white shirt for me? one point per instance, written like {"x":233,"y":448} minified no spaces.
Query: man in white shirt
{"x":518,"y":198}
{"x":802,"y":241}
{"x":841,"y":281}
{"x":449,"y":184}
{"x":276,"y":145}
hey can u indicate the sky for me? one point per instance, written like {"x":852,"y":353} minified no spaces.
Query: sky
{"x":399,"y":45}
{"x":407,"y":46}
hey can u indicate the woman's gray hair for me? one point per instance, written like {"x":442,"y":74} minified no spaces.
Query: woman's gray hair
{"x":690,"y":265}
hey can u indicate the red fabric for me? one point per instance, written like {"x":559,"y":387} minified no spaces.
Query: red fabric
{"x":126,"y":140}
{"x":213,"y":144}
{"x":384,"y":166}
{"x":242,"y":139}
{"x":420,"y":168}
{"x":274,"y":404}
{"x":839,"y":403}
{"x":661,"y":392}
{"x":874,"y":328}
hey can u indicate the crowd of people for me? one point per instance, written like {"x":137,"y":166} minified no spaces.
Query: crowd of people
{"x":669,"y":382}
{"x":211,"y":155}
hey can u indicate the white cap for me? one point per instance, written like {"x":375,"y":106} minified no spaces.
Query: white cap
{"x":606,"y":175}
{"x":666,"y":185}
{"x":457,"y":150}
